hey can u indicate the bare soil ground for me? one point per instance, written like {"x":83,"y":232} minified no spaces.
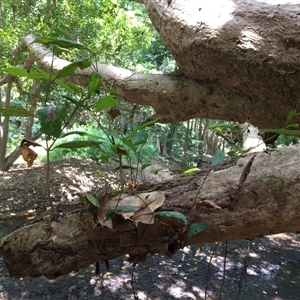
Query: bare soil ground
{"x":273,"y":263}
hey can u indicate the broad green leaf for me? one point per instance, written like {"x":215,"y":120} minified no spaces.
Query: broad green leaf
{"x":291,"y":114}
{"x":94,"y":83}
{"x":32,"y":74}
{"x":71,"y":99}
{"x":74,"y":87}
{"x":16,"y":111}
{"x":105,"y":103}
{"x":144,"y":166}
{"x":78,"y":144}
{"x":92,"y":199}
{"x":218,"y":158}
{"x":192,"y":170}
{"x":124,"y":167}
{"x":50,"y":120}
{"x":172,"y":215}
{"x":195,"y":228}
{"x":140,"y":142}
{"x":81,"y":133}
{"x":194,"y":249}
{"x":148,"y":123}
{"x":112,"y":133}
{"x":71,"y":68}
{"x":129,"y":144}
{"x":63,"y":43}
{"x":282,"y":131}
{"x":118,"y":150}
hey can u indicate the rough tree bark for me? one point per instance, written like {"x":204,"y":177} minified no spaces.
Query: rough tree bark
{"x":238,"y":61}
{"x":266,"y":203}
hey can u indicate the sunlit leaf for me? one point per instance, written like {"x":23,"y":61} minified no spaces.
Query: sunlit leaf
{"x":172,"y":215}
{"x":63,"y":43}
{"x":195,"y":228}
{"x":105,"y":103}
{"x":81,"y":133}
{"x":16,"y":111}
{"x":92,"y":199}
{"x":144,"y":166}
{"x":192,"y":170}
{"x":32,"y":74}
{"x":72,"y":67}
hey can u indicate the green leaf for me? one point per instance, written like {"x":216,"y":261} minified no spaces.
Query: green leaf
{"x":195,"y":228}
{"x":136,"y":129}
{"x":194,"y":249}
{"x":71,"y":99}
{"x":94,"y":82}
{"x":16,"y":111}
{"x":218,"y":158}
{"x":112,"y":133}
{"x":291,"y":115}
{"x":81,"y":133}
{"x":92,"y":199}
{"x":125,"y":167}
{"x":31,"y":74}
{"x":129,"y":144}
{"x":144,"y":166}
{"x":63,"y":43}
{"x":50,"y":120}
{"x":78,"y":144}
{"x":282,"y":131}
{"x":172,"y":215}
{"x":105,"y":103}
{"x":192,"y":170}
{"x":294,"y":125}
{"x":74,"y":87}
{"x":72,"y":67}
{"x":126,"y":208}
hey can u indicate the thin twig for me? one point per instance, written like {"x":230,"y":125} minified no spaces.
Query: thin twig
{"x":244,"y":270}
{"x":224,"y":270}
{"x":208,"y":268}
{"x":195,"y":201}
{"x":132,"y":282}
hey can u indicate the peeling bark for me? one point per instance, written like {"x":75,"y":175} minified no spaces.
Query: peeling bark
{"x":266,"y":203}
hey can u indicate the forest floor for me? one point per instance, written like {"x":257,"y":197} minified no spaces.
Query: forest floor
{"x":273,"y":262}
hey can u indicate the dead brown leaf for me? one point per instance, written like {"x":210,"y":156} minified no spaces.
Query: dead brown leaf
{"x":209,"y":203}
{"x":246,"y":170}
{"x":104,"y":208}
{"x":144,"y":215}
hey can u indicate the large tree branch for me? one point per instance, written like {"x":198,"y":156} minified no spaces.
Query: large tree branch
{"x":174,"y":97}
{"x":266,"y":203}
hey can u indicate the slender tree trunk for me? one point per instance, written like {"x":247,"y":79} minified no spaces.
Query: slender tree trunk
{"x":3,"y":145}
{"x":185,"y":146}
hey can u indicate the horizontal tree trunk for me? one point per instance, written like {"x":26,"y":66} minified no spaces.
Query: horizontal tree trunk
{"x":267,"y":202}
